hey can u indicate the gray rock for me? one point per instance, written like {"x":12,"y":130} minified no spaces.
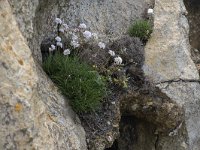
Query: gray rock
{"x":33,"y":114}
{"x":168,"y":63}
{"x":110,"y":19}
{"x":187,"y":95}
{"x":167,"y":54}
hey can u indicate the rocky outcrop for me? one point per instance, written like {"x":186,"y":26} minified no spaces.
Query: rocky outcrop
{"x":169,"y":65}
{"x":33,"y":114}
{"x":168,"y":50}
{"x":108,"y":18}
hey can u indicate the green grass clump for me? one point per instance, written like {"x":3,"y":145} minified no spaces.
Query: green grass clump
{"x":78,"y":81}
{"x":141,"y":29}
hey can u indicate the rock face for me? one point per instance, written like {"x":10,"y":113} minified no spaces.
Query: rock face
{"x":33,"y":115}
{"x":108,"y":18}
{"x":168,"y":50}
{"x":169,"y":65}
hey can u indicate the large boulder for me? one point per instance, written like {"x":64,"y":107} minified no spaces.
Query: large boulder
{"x":33,"y":114}
{"x":169,"y":65}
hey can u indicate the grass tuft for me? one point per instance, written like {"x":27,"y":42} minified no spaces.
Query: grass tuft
{"x":76,"y":80}
{"x":141,"y":29}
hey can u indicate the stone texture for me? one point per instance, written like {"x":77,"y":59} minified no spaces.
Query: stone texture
{"x":167,"y":54}
{"x":108,"y":18}
{"x":187,"y":95}
{"x":153,"y":106}
{"x":168,"y":63}
{"x":33,"y":115}
{"x":24,"y":10}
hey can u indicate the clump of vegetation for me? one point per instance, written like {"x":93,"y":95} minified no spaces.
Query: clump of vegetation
{"x":76,"y":80}
{"x":141,"y":29}
{"x":81,"y":83}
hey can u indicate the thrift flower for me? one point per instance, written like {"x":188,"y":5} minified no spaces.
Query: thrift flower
{"x":66,"y":27}
{"x":112,"y":53}
{"x":58,"y":21}
{"x":95,"y":36}
{"x":75,"y":44}
{"x":82,"y":26}
{"x":74,"y":37}
{"x":50,"y":49}
{"x":101,"y":45}
{"x":53,"y":47}
{"x":62,"y":30}
{"x":118,"y":60}
{"x":59,"y":44}
{"x":58,"y":39}
{"x":87,"y":34}
{"x":76,"y":30}
{"x":66,"y":52}
{"x":150,"y":11}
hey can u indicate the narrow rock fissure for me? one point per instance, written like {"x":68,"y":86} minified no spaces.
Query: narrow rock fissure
{"x":157,"y":142}
{"x":178,"y":80}
{"x":193,"y":8}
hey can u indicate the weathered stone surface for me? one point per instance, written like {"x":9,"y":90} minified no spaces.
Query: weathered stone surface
{"x":153,"y":106}
{"x":24,"y":10}
{"x":33,"y":115}
{"x":168,"y":60}
{"x":188,"y":96}
{"x":108,"y":18}
{"x":167,"y":54}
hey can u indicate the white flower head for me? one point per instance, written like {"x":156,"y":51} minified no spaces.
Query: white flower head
{"x":58,"y":21}
{"x":118,"y":60}
{"x":58,"y":39}
{"x":102,"y":45}
{"x":59,"y":44}
{"x":76,"y":30}
{"x":66,"y":52}
{"x":74,"y":37}
{"x":112,"y":53}
{"x":75,"y":44}
{"x":95,"y":36}
{"x":53,"y":47}
{"x":87,"y":34}
{"x":150,"y":11}
{"x":50,"y":49}
{"x":124,"y":49}
{"x":66,"y":27}
{"x":82,"y":26}
{"x":61,"y":30}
